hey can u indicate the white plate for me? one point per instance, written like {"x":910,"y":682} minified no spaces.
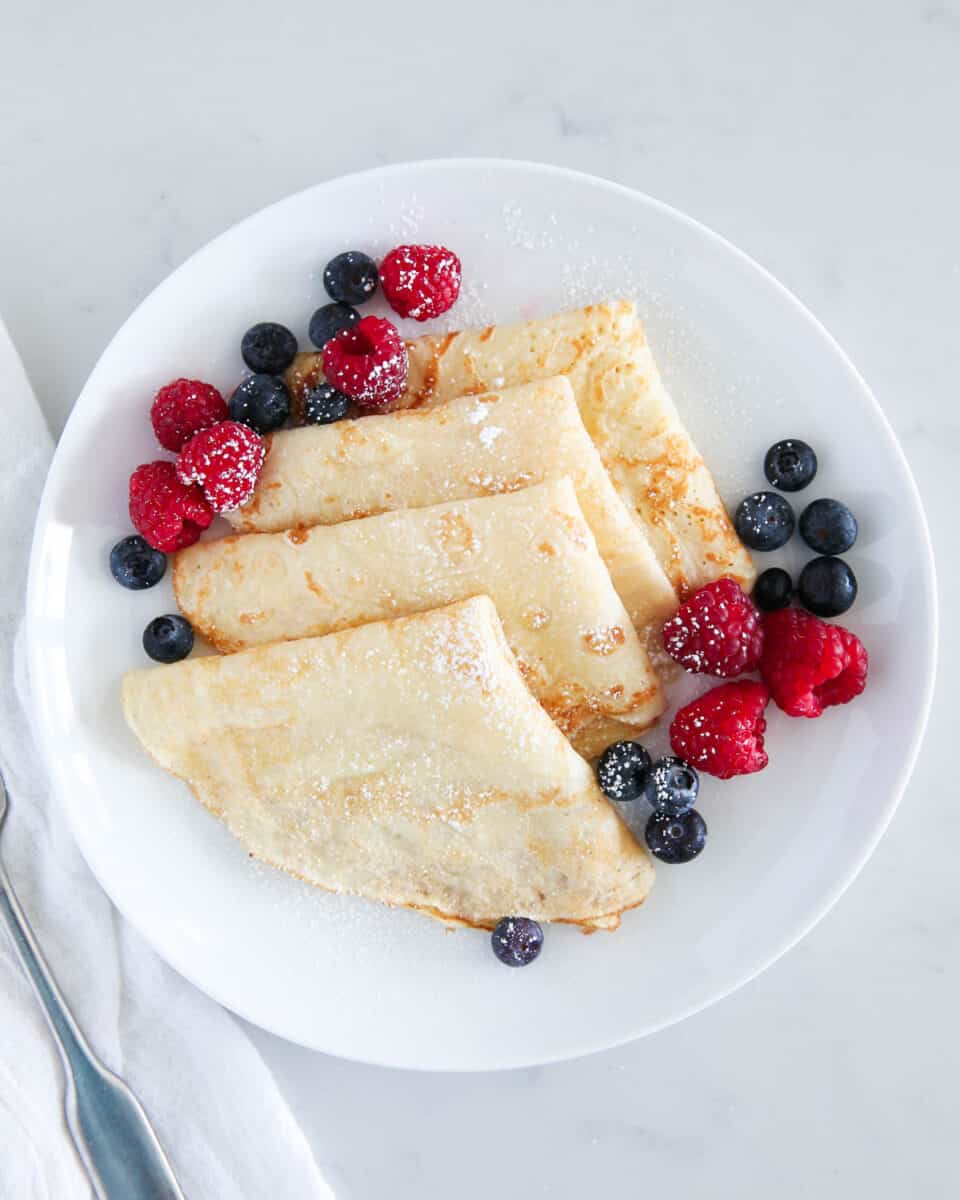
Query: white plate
{"x":747,"y":365}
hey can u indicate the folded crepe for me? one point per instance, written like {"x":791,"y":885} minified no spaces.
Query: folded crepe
{"x":532,"y":552}
{"x":404,"y":761}
{"x":475,"y":446}
{"x":644,"y":445}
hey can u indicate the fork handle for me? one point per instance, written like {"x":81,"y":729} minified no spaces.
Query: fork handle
{"x":109,"y":1127}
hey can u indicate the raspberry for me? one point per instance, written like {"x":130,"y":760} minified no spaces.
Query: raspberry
{"x":183,"y":408}
{"x":225,"y":461}
{"x":169,"y":514}
{"x":717,"y":631}
{"x":722,"y":732}
{"x":809,"y":665}
{"x":367,"y":362}
{"x":421,"y":281}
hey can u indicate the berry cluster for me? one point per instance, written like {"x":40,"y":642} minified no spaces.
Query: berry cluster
{"x":765,"y":521}
{"x":219,"y":444}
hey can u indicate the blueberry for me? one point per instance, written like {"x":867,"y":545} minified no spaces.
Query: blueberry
{"x":773,"y":589}
{"x":135,"y":564}
{"x":622,"y":769}
{"x":517,"y":941}
{"x":329,"y":320}
{"x":268,"y":347}
{"x":351,"y":277}
{"x":262,"y":402}
{"x":324,"y":405}
{"x":671,"y":785}
{"x":764,"y":521}
{"x":676,"y":838}
{"x":828,"y":527}
{"x":168,"y":639}
{"x":827,"y":586}
{"x":790,"y":465}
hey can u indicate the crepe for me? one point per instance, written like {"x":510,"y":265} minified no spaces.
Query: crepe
{"x":475,"y":446}
{"x":404,"y":761}
{"x":644,"y":445}
{"x":530,"y":551}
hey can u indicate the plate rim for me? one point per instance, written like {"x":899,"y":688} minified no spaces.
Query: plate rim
{"x":39,"y":692}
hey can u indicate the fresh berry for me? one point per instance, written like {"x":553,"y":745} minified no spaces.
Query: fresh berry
{"x":621,"y":771}
{"x":168,"y":513}
{"x":262,"y":402}
{"x":773,"y":589}
{"x":367,"y":362}
{"x":351,"y":277}
{"x":168,"y":639}
{"x":136,"y":565}
{"x":676,"y":838}
{"x":421,"y":281}
{"x":671,"y":785}
{"x":517,"y":941}
{"x":183,"y":408}
{"x":764,"y":521}
{"x":329,"y":320}
{"x":790,"y":465}
{"x":827,"y":586}
{"x":717,"y":631}
{"x":325,"y":405}
{"x":268,"y":347}
{"x":225,"y":461}
{"x":809,"y":665}
{"x":722,"y":731}
{"x":828,"y":527}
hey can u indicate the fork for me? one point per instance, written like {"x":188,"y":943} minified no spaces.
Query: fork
{"x":109,"y":1127}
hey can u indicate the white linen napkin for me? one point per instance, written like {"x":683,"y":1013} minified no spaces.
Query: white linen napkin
{"x":213,"y":1101}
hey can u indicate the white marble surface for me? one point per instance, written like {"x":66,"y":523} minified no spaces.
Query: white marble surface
{"x":822,"y":139}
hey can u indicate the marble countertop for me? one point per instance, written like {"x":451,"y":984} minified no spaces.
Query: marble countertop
{"x":821,"y":138}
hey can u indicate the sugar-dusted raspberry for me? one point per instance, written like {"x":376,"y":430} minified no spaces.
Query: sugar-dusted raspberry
{"x":367,"y":362}
{"x":721,"y":733}
{"x":225,"y":461}
{"x":810,"y":665}
{"x":168,"y":514}
{"x":421,"y":281}
{"x":183,"y":408}
{"x":717,"y":631}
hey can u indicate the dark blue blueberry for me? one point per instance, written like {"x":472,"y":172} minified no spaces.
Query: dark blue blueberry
{"x":517,"y":941}
{"x":351,"y":277}
{"x":621,"y":771}
{"x":827,"y":586}
{"x":676,"y":838}
{"x":773,"y":589}
{"x":168,"y":639}
{"x":135,"y":564}
{"x":324,"y":405}
{"x":268,"y":347}
{"x":671,"y":785}
{"x":262,"y":402}
{"x":764,"y":521}
{"x":828,"y":527}
{"x":329,"y":320}
{"x":790,"y":465}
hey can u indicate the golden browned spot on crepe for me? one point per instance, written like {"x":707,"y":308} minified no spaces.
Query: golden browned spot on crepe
{"x":536,"y":618}
{"x":455,"y":535}
{"x":318,"y":590}
{"x":605,"y":640}
{"x":547,"y":549}
{"x":297,"y":536}
{"x":576,"y":530}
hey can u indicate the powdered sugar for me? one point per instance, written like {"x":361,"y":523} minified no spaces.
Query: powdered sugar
{"x":489,"y":434}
